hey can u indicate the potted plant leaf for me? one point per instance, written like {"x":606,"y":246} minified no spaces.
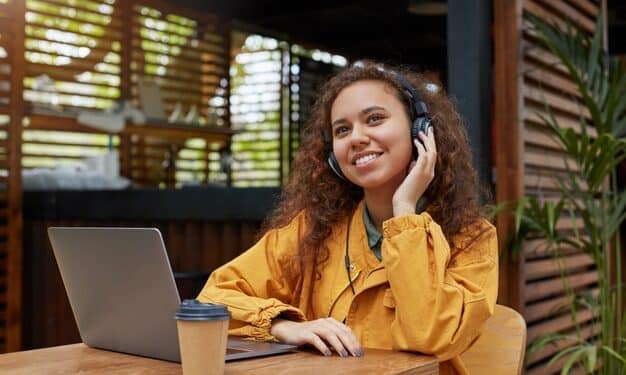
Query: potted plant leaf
{"x":589,"y":195}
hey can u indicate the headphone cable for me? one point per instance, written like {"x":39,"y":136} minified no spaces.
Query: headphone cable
{"x":347,"y":256}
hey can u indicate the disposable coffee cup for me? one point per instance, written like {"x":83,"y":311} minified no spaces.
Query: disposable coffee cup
{"x":202,"y":335}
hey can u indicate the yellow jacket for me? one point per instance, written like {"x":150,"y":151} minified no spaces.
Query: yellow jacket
{"x":419,"y":298}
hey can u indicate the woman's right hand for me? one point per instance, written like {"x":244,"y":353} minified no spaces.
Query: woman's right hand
{"x":320,"y":333}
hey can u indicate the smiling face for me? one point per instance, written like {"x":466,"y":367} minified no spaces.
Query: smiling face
{"x":371,"y":135}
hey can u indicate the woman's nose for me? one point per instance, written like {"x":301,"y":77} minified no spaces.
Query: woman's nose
{"x":359,"y":135}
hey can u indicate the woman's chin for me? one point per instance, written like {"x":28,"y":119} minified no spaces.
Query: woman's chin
{"x":377,"y":181}
{"x":370,"y":182}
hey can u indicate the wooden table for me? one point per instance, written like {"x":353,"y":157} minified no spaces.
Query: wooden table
{"x":78,"y":358}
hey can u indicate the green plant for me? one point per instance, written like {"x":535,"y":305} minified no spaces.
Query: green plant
{"x":589,"y":195}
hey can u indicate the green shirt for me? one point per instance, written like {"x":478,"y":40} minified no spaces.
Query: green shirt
{"x":374,"y":237}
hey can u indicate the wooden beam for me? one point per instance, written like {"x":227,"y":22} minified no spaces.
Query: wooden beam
{"x":14,"y":203}
{"x":508,"y":140}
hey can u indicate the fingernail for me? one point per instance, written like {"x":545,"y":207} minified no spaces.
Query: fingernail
{"x":327,"y":353}
{"x":343,"y":353}
{"x":359,"y":353}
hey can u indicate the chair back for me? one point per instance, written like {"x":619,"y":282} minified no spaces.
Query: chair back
{"x":500,"y":348}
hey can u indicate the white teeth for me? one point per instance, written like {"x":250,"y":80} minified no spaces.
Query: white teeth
{"x":365,"y":159}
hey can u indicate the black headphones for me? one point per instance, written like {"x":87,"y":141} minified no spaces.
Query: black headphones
{"x":421,"y":122}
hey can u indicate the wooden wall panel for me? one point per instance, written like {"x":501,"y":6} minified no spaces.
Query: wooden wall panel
{"x":543,"y":83}
{"x":311,"y":76}
{"x":257,"y":97}
{"x":535,"y":80}
{"x":187,"y":55}
{"x":5,"y":90}
{"x":14,"y":186}
{"x":95,"y":53}
{"x":80,"y":48}
{"x":11,"y":111}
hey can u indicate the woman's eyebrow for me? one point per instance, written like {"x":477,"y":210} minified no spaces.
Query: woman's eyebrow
{"x":372,"y":109}
{"x":338,"y":122}
{"x":364,"y":111}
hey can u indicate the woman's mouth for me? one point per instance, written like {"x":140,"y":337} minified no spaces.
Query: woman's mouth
{"x":366,"y":159}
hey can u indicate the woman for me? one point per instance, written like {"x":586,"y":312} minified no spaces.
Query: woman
{"x":379,"y":240}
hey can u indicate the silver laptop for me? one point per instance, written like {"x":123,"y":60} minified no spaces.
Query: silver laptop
{"x":122,"y":291}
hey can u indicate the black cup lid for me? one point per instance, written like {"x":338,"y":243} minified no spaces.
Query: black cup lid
{"x":191,"y":309}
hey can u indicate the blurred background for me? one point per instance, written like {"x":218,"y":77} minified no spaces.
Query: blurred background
{"x":186,"y":115}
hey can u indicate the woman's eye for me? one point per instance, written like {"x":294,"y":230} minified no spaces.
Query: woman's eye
{"x":340,"y":130}
{"x":375,"y":118}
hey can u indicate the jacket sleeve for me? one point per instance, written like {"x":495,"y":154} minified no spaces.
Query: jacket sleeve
{"x":441,"y":301}
{"x":253,"y":285}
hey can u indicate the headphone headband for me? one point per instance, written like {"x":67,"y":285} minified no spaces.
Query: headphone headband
{"x":420,"y":107}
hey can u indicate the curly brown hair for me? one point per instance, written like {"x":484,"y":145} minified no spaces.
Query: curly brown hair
{"x":453,"y":196}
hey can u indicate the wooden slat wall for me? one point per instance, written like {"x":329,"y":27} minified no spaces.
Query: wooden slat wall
{"x":84,"y":55}
{"x":311,"y":74}
{"x":96,"y":52}
{"x":77,"y":46}
{"x":195,"y":248}
{"x":544,"y":82}
{"x":11,"y":110}
{"x":274,"y":86}
{"x":257,"y":111}
{"x":526,"y":78}
{"x":188,"y":56}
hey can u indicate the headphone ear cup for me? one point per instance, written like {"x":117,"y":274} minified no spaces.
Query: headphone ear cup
{"x":334,"y":165}
{"x":415,"y":128}
{"x":427,"y":123}
{"x":421,"y":124}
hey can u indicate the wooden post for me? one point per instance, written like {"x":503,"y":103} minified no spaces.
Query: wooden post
{"x":225,"y":30}
{"x":508,"y":140}
{"x":14,"y":189}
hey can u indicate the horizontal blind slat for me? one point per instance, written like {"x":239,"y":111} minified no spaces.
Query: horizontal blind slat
{"x":552,"y":287}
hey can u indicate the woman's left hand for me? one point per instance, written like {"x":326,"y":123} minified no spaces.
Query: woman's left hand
{"x":420,"y":174}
